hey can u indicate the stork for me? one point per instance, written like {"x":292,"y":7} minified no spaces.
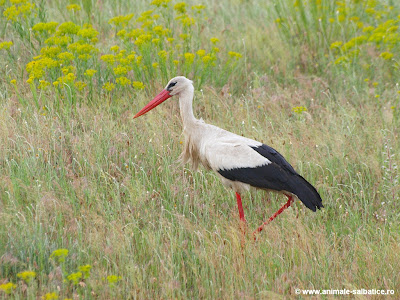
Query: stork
{"x":240,"y":162}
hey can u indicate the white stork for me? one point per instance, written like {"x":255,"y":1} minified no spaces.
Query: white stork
{"x":239,"y":162}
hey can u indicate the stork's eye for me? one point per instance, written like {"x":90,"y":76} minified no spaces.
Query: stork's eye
{"x":171,"y":85}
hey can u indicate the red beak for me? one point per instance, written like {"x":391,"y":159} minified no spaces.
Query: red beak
{"x":160,"y":98}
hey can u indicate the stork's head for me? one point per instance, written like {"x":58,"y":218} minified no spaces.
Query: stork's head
{"x":174,"y":87}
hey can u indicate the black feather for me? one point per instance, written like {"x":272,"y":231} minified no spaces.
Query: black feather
{"x":279,"y":175}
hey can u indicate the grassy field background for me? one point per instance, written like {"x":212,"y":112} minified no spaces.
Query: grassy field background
{"x":94,"y":205}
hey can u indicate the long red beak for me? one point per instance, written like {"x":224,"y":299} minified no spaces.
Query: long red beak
{"x":160,"y":98}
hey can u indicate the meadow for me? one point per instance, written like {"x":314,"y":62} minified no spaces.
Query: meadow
{"x":95,"y":205}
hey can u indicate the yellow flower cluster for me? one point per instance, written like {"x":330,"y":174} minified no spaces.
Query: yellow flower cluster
{"x":234,"y":55}
{"x":159,"y":3}
{"x":27,"y":276}
{"x":113,"y":278}
{"x":73,"y":7}
{"x":50,"y":296}
{"x":75,"y":278}
{"x":299,"y":109}
{"x":5,"y":45}
{"x":90,"y":72}
{"x":123,"y":81}
{"x":49,"y":27}
{"x":121,"y":21}
{"x":108,"y":86}
{"x":375,"y":30}
{"x":8,"y":287}
{"x":59,"y":255}
{"x":138,"y":85}
{"x":85,"y":270}
{"x":19,"y":9}
{"x":146,"y":47}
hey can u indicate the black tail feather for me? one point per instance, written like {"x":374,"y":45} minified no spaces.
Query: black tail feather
{"x":306,"y":192}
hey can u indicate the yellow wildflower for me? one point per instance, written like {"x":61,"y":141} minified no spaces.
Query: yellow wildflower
{"x":50,"y":51}
{"x":50,"y":27}
{"x":175,"y":62}
{"x":198,"y":8}
{"x":85,"y":270}
{"x":184,"y":36}
{"x":121,"y":20}
{"x":27,"y":276}
{"x":114,"y":48}
{"x":122,"y":33}
{"x":108,"y":58}
{"x":123,"y":81}
{"x":88,"y":32}
{"x":112,"y":279}
{"x":5,"y":45}
{"x":159,"y":3}
{"x":75,"y":277}
{"x":74,"y":7}
{"x":163,"y":54}
{"x":155,"y":41}
{"x":145,"y":16}
{"x":80,"y":48}
{"x":386,"y":55}
{"x":8,"y":287}
{"x":30,"y":80}
{"x":84,"y":57}
{"x":142,"y":39}
{"x":186,"y":21}
{"x":189,"y":58}
{"x":108,"y":86}
{"x":159,"y":30}
{"x":299,"y":109}
{"x":65,"y":57}
{"x":336,"y":44}
{"x":50,"y":296}
{"x":215,"y":49}
{"x":235,"y":55}
{"x":138,"y":85}
{"x":155,"y":65}
{"x":180,"y":7}
{"x":207,"y":59}
{"x":120,"y":70}
{"x":214,"y":40}
{"x":67,"y":70}
{"x":68,"y":28}
{"x":80,"y":85}
{"x":58,"y":40}
{"x":13,"y":81}
{"x":201,"y":52}
{"x":55,"y":83}
{"x":43,"y":84}
{"x":59,"y":255}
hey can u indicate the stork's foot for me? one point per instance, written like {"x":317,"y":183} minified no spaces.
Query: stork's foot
{"x":286,"y":205}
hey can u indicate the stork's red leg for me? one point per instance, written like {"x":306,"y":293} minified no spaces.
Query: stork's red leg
{"x":286,"y":205}
{"x":240,"y":207}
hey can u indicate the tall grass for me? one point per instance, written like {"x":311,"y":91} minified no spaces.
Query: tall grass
{"x":77,"y":173}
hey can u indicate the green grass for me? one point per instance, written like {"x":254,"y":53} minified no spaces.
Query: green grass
{"x":88,"y":178}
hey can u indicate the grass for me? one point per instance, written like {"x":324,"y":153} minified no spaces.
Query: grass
{"x":83,"y":175}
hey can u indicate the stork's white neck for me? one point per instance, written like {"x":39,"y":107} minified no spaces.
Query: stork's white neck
{"x":185,"y":105}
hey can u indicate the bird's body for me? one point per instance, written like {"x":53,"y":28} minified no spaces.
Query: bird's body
{"x":240,"y":162}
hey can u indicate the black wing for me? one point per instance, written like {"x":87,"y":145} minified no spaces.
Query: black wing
{"x":279,"y":175}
